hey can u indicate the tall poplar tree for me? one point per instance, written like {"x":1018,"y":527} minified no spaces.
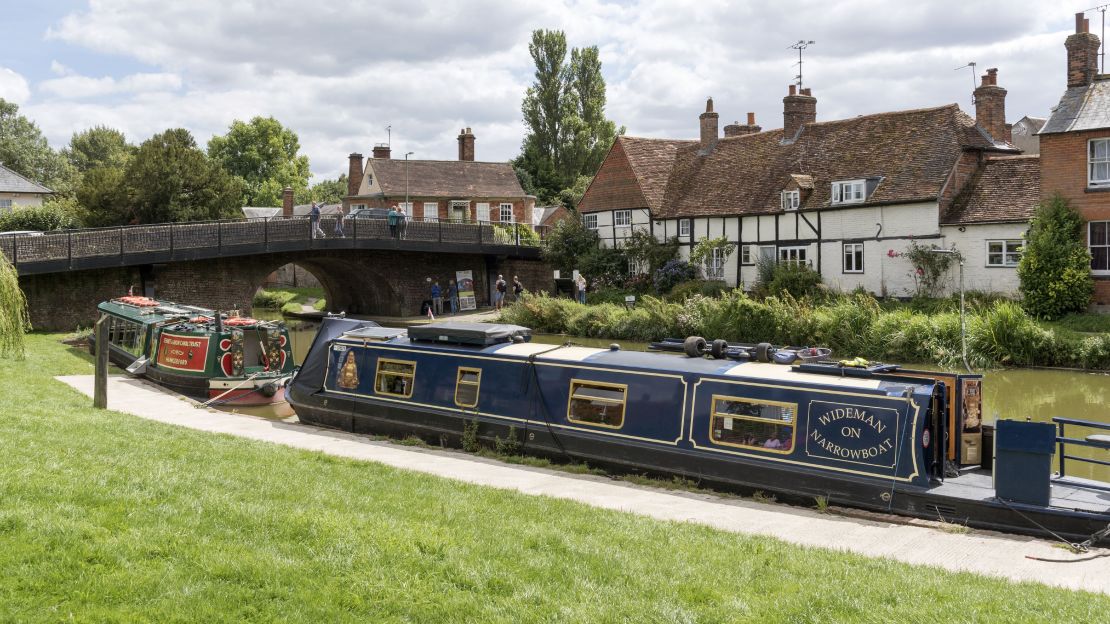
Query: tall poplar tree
{"x":564,"y":111}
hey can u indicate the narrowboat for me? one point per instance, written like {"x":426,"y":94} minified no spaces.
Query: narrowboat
{"x":224,"y":359}
{"x":876,"y":437}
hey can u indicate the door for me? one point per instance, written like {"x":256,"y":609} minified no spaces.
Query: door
{"x":459,"y":211}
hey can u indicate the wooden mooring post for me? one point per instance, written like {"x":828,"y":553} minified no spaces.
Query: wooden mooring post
{"x":100,"y":385}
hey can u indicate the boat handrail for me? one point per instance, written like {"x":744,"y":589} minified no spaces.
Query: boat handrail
{"x":1102,"y":441}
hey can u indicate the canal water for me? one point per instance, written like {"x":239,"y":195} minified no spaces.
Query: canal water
{"x":1007,"y":393}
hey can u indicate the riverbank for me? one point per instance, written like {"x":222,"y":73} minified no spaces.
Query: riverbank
{"x":999,"y":333}
{"x":113,"y":517}
{"x":291,"y":301}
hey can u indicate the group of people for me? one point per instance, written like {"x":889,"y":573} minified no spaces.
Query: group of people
{"x":501,"y":288}
{"x":438,"y":295}
{"x":314,"y":219}
{"x":397,"y":220}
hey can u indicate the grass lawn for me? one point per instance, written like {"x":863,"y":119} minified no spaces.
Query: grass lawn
{"x":290,"y":300}
{"x":107,"y":517}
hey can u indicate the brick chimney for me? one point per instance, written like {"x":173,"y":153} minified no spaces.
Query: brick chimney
{"x":798,"y":109}
{"x":354,"y":173}
{"x":709,"y":132}
{"x":287,"y":202}
{"x":1082,"y":50}
{"x":381,"y":150}
{"x":466,"y":144}
{"x":735,"y":129}
{"x":990,"y":107}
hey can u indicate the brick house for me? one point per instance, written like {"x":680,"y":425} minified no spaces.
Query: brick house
{"x":17,"y":191}
{"x":840,"y":196}
{"x":1075,"y":149}
{"x":456,"y":190}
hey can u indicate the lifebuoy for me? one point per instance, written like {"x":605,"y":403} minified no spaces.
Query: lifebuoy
{"x":135,"y":300}
{"x":239,"y":321}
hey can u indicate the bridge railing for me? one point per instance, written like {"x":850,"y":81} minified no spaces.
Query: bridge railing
{"x":112,"y":246}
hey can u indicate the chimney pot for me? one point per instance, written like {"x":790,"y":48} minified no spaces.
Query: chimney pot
{"x":793,"y":89}
{"x":709,"y":128}
{"x":751,"y":119}
{"x":1082,"y":48}
{"x":466,"y":144}
{"x":381,"y":150}
{"x":1080,"y":22}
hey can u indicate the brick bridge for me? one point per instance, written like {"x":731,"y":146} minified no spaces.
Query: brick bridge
{"x":221,"y":264}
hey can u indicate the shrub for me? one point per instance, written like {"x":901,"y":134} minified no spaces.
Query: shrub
{"x":794,"y":278}
{"x":1005,"y":334}
{"x":39,"y":218}
{"x":673,"y":273}
{"x":1094,"y":352}
{"x":273,"y":299}
{"x":706,"y":288}
{"x":847,"y":323}
{"x":1055,"y":266}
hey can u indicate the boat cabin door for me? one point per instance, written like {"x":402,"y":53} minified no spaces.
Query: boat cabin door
{"x":935,"y":436}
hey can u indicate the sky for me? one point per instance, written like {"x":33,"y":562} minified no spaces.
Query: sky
{"x":340,"y":73}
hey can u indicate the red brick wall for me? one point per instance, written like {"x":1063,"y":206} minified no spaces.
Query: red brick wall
{"x":522,"y":212}
{"x":1064,"y":171}
{"x":614,"y":186}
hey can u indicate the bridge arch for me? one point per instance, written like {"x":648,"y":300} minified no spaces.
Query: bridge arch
{"x":350,"y":285}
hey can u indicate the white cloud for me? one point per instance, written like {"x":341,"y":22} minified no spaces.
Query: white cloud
{"x":339,"y":73}
{"x":13,"y":86}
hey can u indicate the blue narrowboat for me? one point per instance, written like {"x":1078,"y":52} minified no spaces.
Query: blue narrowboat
{"x":878,"y":438}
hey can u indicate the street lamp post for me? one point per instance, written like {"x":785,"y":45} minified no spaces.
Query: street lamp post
{"x":963,"y":322}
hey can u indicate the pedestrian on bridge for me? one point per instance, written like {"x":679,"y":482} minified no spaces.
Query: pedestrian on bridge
{"x":339,"y":219}
{"x":314,"y":219}
{"x":392,"y":219}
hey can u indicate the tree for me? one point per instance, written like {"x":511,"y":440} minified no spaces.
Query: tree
{"x":567,"y":243}
{"x":326,"y":191}
{"x":49,"y":216}
{"x":264,"y":154}
{"x":1055,"y":265}
{"x":24,"y":150}
{"x":567,"y":133}
{"x":704,"y":253}
{"x":14,"y":320}
{"x":171,"y":179}
{"x":103,"y":198}
{"x":642,"y":248}
{"x":100,"y":146}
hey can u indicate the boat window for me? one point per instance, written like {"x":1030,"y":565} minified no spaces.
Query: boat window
{"x":395,"y":377}
{"x":750,"y":423}
{"x":596,"y":403}
{"x":466,"y":386}
{"x":125,"y":334}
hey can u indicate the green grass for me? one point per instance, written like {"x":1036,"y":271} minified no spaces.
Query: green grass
{"x":107,"y":517}
{"x":1090,"y":323}
{"x":289,"y":299}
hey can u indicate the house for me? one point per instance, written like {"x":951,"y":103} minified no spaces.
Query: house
{"x":545,"y":217}
{"x":1025,"y":132}
{"x":845,"y":197}
{"x":456,"y":190}
{"x":17,"y":191}
{"x":1075,"y":150}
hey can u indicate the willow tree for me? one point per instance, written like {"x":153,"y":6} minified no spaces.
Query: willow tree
{"x":14,"y":321}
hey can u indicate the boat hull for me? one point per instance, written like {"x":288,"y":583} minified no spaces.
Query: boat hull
{"x":256,"y":392}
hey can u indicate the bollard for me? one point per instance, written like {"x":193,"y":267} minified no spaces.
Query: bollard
{"x":100,"y":385}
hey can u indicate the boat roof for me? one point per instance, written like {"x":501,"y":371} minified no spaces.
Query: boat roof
{"x":643,"y":361}
{"x":149,"y":311}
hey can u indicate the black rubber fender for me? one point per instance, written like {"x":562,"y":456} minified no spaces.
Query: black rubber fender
{"x":717,"y":349}
{"x":763,"y":352}
{"x":694,"y":346}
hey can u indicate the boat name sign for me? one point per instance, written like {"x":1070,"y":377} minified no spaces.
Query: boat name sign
{"x":857,"y":434}
{"x":189,"y":353}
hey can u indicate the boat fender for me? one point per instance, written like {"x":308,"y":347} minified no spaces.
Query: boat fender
{"x":269,"y":389}
{"x":718,"y":348}
{"x":763,"y":352}
{"x":614,"y":346}
{"x":784,"y":357}
{"x":694,"y":346}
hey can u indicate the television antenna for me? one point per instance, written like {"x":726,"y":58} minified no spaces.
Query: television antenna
{"x":802,"y":44}
{"x":389,"y":135}
{"x":971,"y":64}
{"x":1102,"y":42}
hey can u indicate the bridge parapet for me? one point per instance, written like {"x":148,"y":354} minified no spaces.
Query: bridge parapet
{"x":70,"y":250}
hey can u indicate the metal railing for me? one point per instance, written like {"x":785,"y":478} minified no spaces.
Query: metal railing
{"x":1062,"y":441}
{"x":137,"y":244}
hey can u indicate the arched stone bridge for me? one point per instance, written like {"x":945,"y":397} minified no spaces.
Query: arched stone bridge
{"x":222,"y":264}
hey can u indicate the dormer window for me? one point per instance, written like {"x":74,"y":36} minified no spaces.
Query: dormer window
{"x":791,"y":200}
{"x":849,"y":191}
{"x":369,"y":179}
{"x":1098,"y":159}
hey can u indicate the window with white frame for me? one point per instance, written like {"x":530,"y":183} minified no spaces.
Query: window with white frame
{"x":369,"y":179}
{"x":1003,"y":253}
{"x":716,"y":268}
{"x":794,"y":255}
{"x":791,"y":200}
{"x":5,"y":206}
{"x":506,"y":213}
{"x":353,"y":206}
{"x":1098,"y":162}
{"x":482,"y":208}
{"x":431,"y":211}
{"x":622,"y":218}
{"x":590,"y":221}
{"x":406,"y":206}
{"x":683,"y":227}
{"x":853,"y":257}
{"x":747,"y":254}
{"x":849,"y":191}
{"x":1098,"y":241}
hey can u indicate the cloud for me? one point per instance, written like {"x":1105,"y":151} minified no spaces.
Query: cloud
{"x":339,"y":73}
{"x":73,"y":86}
{"x":13,"y":87}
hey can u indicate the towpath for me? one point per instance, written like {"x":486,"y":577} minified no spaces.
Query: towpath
{"x":1007,"y":556}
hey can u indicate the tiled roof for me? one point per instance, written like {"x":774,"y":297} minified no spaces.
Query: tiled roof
{"x":450,"y":179}
{"x":652,"y":161}
{"x":1081,"y":108}
{"x":12,"y":182}
{"x":1004,"y":189}
{"x":910,"y":153}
